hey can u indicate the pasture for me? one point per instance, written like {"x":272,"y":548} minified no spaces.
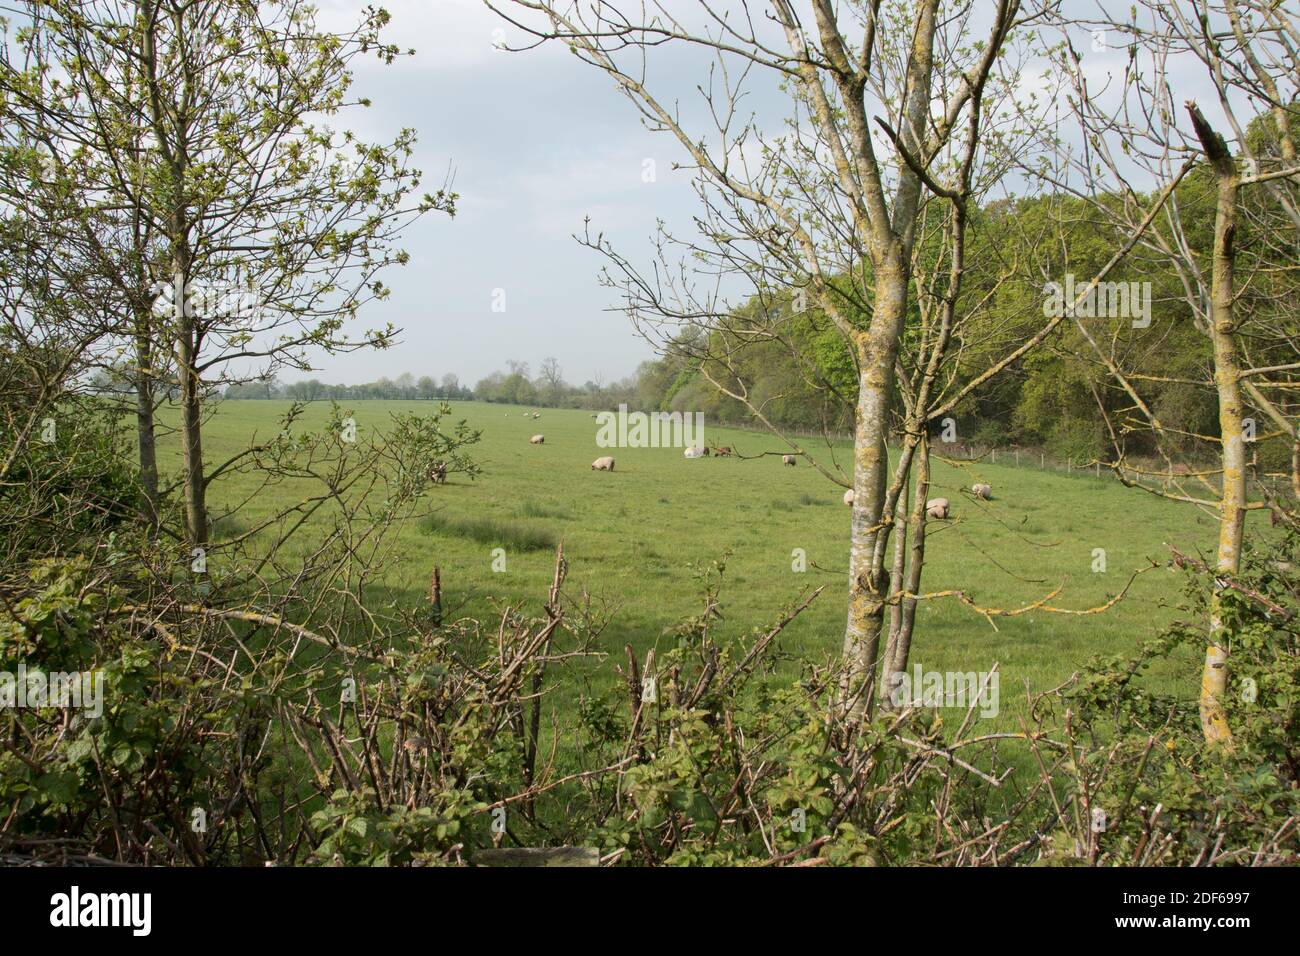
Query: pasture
{"x":631,"y":537}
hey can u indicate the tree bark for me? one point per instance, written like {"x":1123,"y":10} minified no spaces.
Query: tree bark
{"x":144,"y":422}
{"x":877,"y":355}
{"x":902,"y":641}
{"x":1227,"y":381}
{"x":191,"y":396}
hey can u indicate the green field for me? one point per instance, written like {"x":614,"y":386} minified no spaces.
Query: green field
{"x":631,"y":536}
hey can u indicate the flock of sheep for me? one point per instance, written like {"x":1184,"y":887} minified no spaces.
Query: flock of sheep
{"x":935,"y":507}
{"x":604,"y":463}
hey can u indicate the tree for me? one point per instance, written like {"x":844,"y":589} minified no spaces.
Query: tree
{"x":273,"y":225}
{"x":58,"y":185}
{"x":892,"y":109}
{"x":1237,"y":277}
{"x":551,"y":382}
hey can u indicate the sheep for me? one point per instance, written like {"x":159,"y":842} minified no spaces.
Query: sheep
{"x":537,"y":414}
{"x":438,"y":472}
{"x":982,"y":491}
{"x":537,"y":439}
{"x":722,"y":451}
{"x":937,"y":507}
{"x":603,"y":464}
{"x":787,"y":460}
{"x":848,"y":497}
{"x":693,"y":453}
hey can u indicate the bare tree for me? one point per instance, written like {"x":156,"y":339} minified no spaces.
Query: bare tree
{"x":1238,"y":283}
{"x":891,"y":112}
{"x":552,"y":380}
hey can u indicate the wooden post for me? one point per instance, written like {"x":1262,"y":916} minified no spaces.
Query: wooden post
{"x":435,"y":598}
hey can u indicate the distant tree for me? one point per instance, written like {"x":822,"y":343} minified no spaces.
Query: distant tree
{"x":551,"y":386}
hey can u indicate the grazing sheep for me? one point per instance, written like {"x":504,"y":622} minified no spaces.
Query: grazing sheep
{"x":848,"y":497}
{"x":438,"y":472}
{"x":537,"y":439}
{"x":937,"y":507}
{"x":537,"y":414}
{"x":787,"y":460}
{"x":693,"y":453}
{"x":982,"y":491}
{"x":603,"y":464}
{"x":722,"y":451}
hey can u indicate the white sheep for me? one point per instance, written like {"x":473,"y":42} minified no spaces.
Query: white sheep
{"x":848,"y":497}
{"x":537,"y":414}
{"x":537,"y":439}
{"x":787,"y":460}
{"x":693,"y":453}
{"x":937,"y":507}
{"x":603,"y":464}
{"x":981,"y":490}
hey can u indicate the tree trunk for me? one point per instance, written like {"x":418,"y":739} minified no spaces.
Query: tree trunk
{"x":1227,"y":381}
{"x":144,"y":422}
{"x":1232,"y":505}
{"x":877,"y":354}
{"x":187,"y":347}
{"x":896,"y":662}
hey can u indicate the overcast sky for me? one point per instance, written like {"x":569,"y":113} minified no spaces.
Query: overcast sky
{"x":536,"y":141}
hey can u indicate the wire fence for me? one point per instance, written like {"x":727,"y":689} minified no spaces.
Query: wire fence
{"x":1152,"y":473}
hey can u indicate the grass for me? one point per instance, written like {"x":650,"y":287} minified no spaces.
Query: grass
{"x":490,"y":531}
{"x":631,"y":536}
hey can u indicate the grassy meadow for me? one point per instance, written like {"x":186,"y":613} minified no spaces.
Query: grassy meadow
{"x":631,"y":537}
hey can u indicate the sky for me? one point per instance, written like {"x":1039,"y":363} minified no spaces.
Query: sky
{"x":536,"y":141}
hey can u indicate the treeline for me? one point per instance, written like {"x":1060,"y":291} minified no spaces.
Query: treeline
{"x":406,"y":387}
